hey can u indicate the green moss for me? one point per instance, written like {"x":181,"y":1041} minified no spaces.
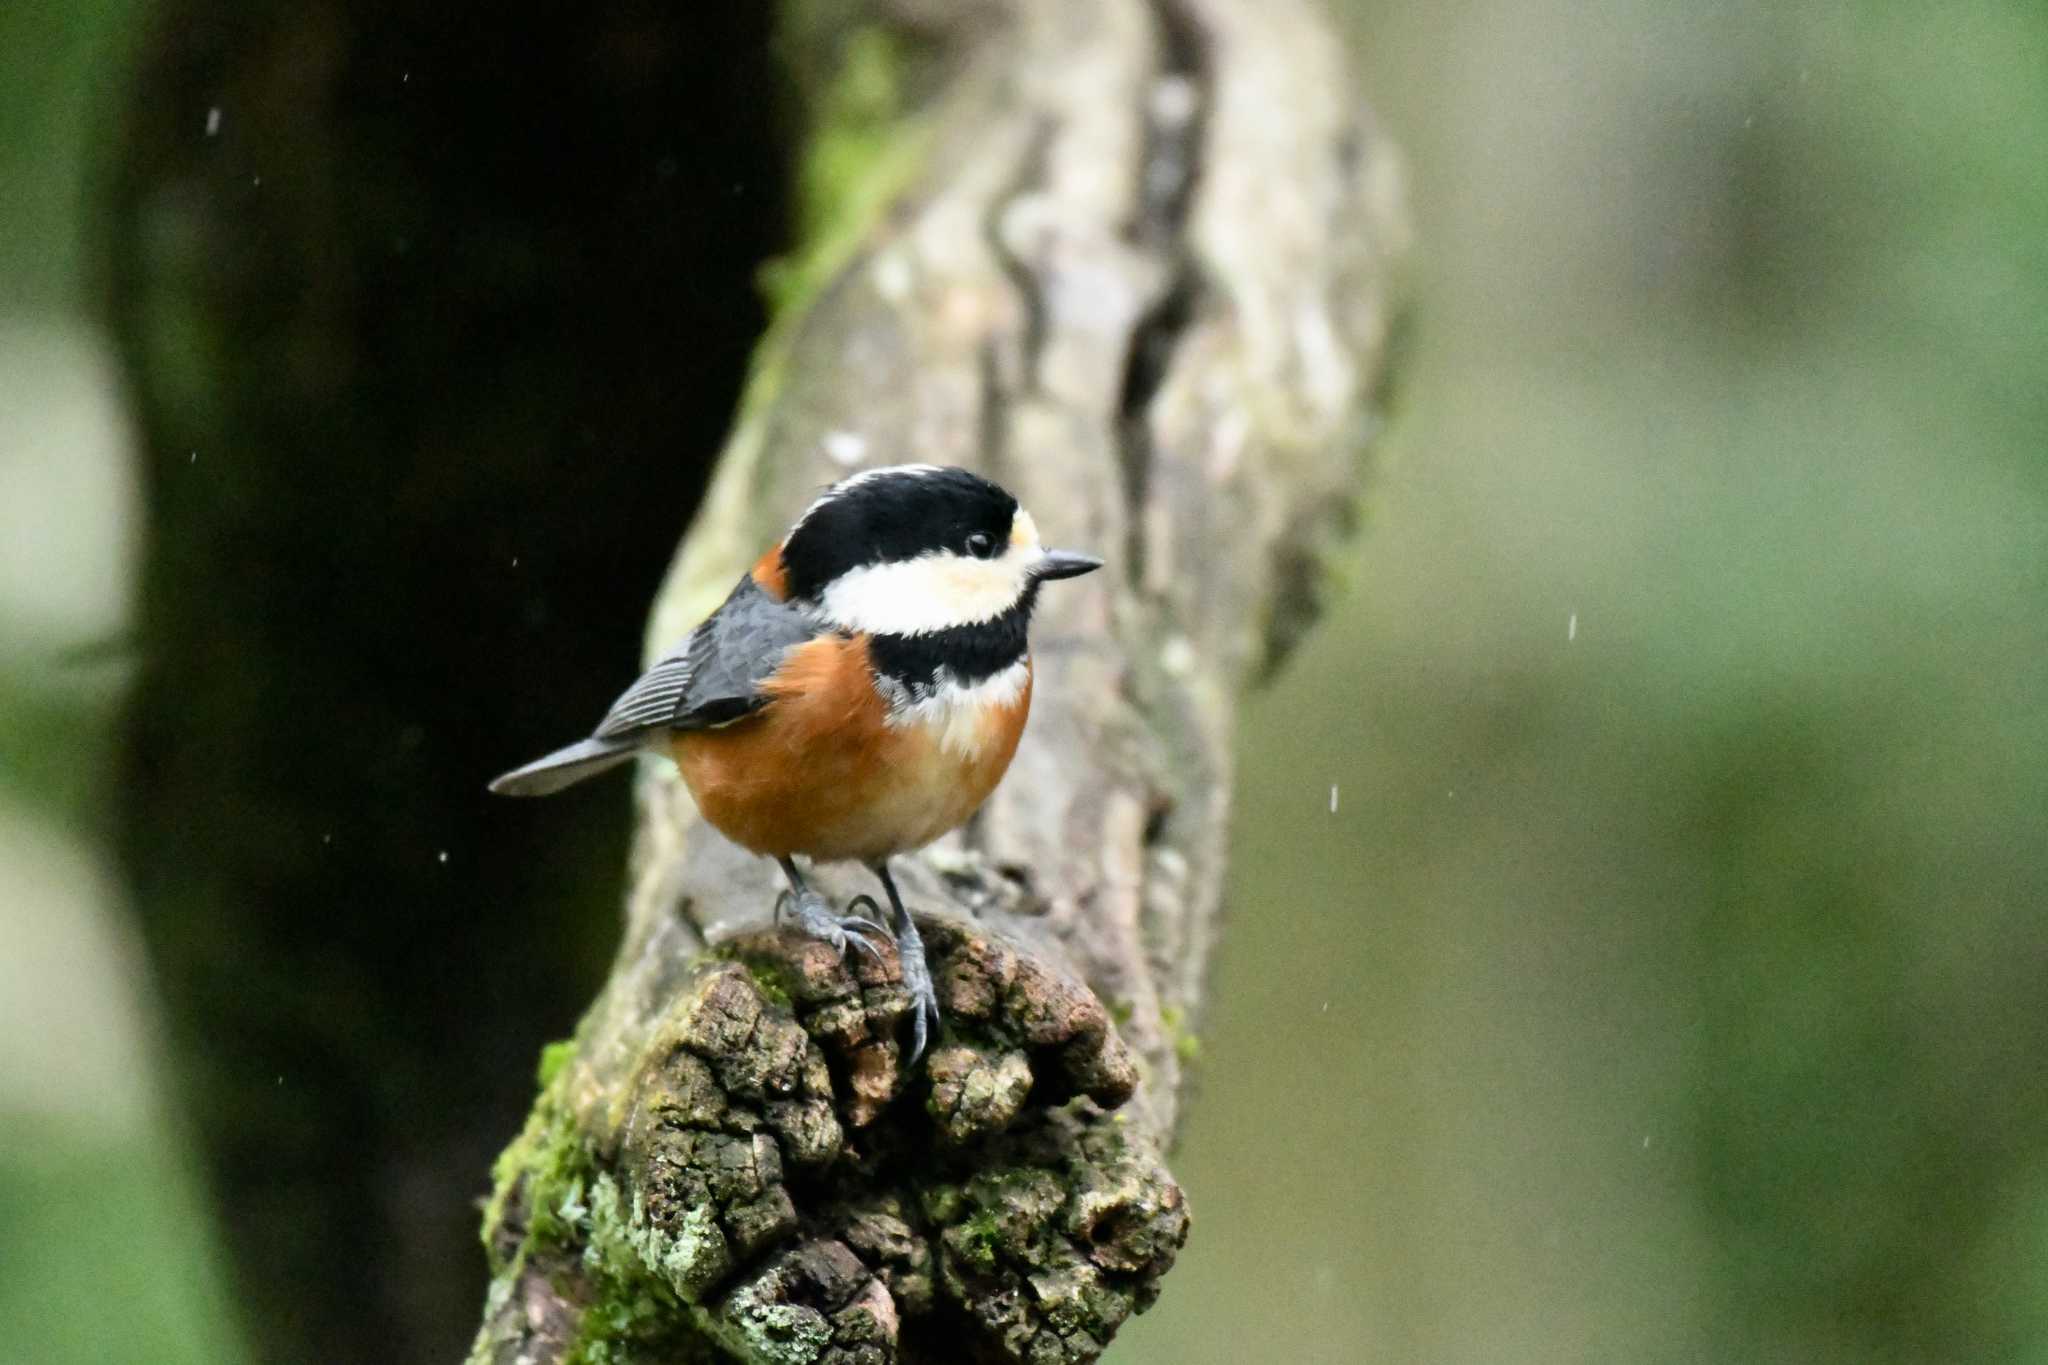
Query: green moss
{"x":548,"y":1166}
{"x":633,"y":1314}
{"x":773,"y":982}
{"x":857,"y":116}
{"x":1186,"y":1045}
{"x":862,"y":150}
{"x":942,"y":1203}
{"x":769,"y":983}
{"x":980,"y":1239}
{"x":686,"y":1260}
{"x":625,"y":1318}
{"x":777,"y":1333}
{"x":1109,"y":1142}
{"x":578,"y":1223}
{"x":553,"y":1058}
{"x":859,"y":155}
{"x":575,"y":1216}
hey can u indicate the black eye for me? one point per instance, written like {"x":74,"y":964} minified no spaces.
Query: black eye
{"x":981,"y":545}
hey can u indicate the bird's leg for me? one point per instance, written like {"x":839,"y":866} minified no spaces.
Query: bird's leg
{"x":820,"y":921}
{"x":917,"y":973}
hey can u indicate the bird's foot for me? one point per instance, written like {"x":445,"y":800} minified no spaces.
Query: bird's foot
{"x":917,"y":980}
{"x":822,"y":922}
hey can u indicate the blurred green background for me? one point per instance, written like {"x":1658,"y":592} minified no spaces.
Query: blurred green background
{"x":1636,"y":944}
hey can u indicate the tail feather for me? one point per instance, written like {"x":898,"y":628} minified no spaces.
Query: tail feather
{"x":565,"y":767}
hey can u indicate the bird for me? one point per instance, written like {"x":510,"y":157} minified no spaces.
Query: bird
{"x":859,"y":693}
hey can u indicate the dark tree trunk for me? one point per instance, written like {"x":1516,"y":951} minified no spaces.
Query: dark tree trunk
{"x":432,"y":320}
{"x":1130,"y":259}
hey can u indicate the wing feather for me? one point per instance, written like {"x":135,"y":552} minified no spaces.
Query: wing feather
{"x":714,"y":677}
{"x":655,"y":699}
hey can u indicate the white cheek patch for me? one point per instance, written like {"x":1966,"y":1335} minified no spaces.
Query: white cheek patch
{"x":931,"y":592}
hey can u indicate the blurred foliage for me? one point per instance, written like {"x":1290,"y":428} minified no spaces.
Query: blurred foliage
{"x":106,"y":1245}
{"x":53,"y":101}
{"x":1667,"y":982}
{"x":1636,"y":948}
{"x":104,"y":1262}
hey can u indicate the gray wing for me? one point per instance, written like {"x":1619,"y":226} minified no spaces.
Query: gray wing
{"x":656,"y":697}
{"x":715,"y":677}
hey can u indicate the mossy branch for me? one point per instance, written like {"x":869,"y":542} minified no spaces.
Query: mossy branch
{"x":1131,"y":259}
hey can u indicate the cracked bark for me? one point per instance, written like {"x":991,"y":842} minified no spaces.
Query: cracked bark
{"x":1137,"y":271}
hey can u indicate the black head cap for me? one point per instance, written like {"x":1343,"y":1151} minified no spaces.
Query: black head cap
{"x":882,"y":515}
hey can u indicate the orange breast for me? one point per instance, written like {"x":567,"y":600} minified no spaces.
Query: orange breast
{"x":822,"y":771}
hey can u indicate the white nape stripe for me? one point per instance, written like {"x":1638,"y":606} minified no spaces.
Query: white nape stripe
{"x":853,"y":481}
{"x":962,"y":713}
{"x":932,"y":592}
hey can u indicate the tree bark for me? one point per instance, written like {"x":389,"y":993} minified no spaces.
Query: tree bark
{"x":1131,"y":260}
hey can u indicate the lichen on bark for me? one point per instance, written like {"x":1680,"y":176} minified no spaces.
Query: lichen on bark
{"x":764,"y":1182}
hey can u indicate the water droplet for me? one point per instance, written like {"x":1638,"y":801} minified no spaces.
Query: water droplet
{"x":845,"y":448}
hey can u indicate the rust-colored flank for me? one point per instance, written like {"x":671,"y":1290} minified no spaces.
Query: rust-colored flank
{"x":820,"y":770}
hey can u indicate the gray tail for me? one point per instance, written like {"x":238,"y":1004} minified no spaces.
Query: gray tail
{"x":565,"y":767}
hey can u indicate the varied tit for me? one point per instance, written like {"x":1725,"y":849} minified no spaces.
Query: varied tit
{"x":858,"y":695}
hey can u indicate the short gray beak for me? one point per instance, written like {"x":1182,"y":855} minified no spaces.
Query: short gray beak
{"x":1065,"y":564}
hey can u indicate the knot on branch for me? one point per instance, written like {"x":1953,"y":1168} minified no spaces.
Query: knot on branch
{"x":771,"y":1178}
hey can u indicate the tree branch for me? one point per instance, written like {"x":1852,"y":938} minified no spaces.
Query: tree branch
{"x":1130,"y":260}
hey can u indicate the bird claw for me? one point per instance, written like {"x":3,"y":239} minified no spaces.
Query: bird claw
{"x":924,"y":1021}
{"x":842,"y":932}
{"x":856,"y":917}
{"x":855,"y":936}
{"x":917,"y":980}
{"x":845,"y":933}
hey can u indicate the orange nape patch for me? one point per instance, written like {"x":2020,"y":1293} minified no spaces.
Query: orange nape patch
{"x":769,"y":573}
{"x":820,"y":770}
